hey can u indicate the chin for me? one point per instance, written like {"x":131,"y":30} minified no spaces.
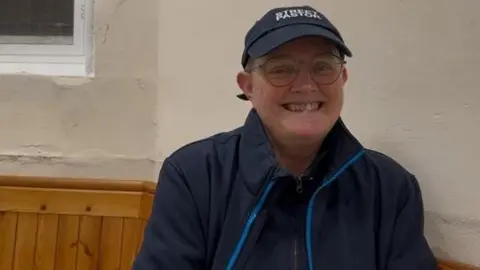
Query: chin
{"x":307,"y":132}
{"x":312,"y":127}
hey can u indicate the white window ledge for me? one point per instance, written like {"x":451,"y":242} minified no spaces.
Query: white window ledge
{"x":77,"y":66}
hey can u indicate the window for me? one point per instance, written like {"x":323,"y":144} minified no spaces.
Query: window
{"x":46,"y":37}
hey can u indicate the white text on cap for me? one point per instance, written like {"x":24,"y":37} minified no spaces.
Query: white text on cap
{"x":291,"y":13}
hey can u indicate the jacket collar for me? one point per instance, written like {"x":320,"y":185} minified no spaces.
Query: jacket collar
{"x":257,"y":163}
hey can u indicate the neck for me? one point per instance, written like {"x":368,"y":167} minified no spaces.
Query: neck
{"x":296,"y":156}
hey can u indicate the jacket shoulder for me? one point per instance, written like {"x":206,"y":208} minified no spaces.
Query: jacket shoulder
{"x":385,"y":164}
{"x":201,"y":167}
{"x":396,"y":184}
{"x":203,"y":153}
{"x":388,"y":172}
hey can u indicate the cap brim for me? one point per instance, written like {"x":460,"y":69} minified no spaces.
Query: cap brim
{"x":285,"y":34}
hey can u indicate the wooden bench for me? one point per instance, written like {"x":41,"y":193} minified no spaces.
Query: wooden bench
{"x":64,"y":223}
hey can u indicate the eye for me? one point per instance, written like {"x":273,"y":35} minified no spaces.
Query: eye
{"x":322,"y":68}
{"x":281,"y":66}
{"x":278,"y":70}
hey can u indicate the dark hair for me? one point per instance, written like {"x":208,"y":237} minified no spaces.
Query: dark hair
{"x":249,"y":65}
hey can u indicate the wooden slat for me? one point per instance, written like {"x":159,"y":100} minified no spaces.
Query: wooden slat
{"x":142,"y":231}
{"x":111,"y":243}
{"x":46,"y":242}
{"x":72,"y":202}
{"x":25,"y":241}
{"x":132,"y":230}
{"x":78,"y":183}
{"x":67,"y":242}
{"x":451,"y":265}
{"x":89,"y":242}
{"x":8,"y":227}
{"x":146,"y":206}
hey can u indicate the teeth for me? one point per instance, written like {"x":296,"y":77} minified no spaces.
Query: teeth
{"x":300,"y":107}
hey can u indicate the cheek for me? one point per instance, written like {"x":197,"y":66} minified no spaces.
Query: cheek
{"x":268,"y":96}
{"x":334,"y":96}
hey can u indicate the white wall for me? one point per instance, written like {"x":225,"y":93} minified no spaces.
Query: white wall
{"x":412,"y":94}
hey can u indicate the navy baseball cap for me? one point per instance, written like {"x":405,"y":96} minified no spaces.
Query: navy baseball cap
{"x":281,"y":25}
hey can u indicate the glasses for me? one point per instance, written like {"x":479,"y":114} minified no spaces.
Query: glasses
{"x":282,"y":71}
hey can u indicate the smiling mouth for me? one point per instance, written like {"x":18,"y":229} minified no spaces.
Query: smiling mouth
{"x":303,"y":107}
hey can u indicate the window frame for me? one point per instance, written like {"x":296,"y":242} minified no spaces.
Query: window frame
{"x":62,"y":60}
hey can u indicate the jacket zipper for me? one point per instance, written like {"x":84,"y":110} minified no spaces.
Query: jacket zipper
{"x":308,"y":227}
{"x":295,"y":254}
{"x":251,"y":219}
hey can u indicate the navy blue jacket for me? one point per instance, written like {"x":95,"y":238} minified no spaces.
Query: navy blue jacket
{"x":225,"y":203}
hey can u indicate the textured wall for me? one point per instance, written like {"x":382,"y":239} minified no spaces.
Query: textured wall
{"x":101,"y":127}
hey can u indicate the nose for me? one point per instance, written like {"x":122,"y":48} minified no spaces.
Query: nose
{"x":304,"y":82}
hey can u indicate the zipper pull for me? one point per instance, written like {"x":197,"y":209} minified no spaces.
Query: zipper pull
{"x":299,"y":184}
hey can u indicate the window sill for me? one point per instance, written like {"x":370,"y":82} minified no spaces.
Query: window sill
{"x":73,"y":66}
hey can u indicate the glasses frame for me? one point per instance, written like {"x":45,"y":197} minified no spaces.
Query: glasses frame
{"x":261,"y":67}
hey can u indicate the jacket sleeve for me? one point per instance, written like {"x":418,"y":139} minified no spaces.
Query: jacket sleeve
{"x":409,"y":248}
{"x":174,"y":237}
